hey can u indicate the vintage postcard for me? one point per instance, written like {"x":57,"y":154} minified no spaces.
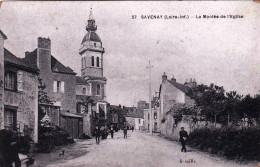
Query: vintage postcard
{"x":129,"y":83}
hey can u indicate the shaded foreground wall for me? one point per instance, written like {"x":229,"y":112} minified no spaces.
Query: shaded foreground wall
{"x":169,"y":128}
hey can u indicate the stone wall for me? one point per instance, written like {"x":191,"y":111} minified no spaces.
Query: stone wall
{"x":68,"y":98}
{"x":26,"y":103}
{"x":171,"y":130}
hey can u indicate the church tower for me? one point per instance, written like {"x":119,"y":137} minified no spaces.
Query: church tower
{"x":91,"y":51}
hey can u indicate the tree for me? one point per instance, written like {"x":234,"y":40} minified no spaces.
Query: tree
{"x":42,"y":94}
{"x":232,"y":107}
{"x":211,"y":99}
{"x":43,"y":97}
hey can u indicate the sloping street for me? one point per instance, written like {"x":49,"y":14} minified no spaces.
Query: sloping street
{"x":141,"y":149}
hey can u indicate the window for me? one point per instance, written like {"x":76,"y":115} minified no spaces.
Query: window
{"x":84,"y":91}
{"x":85,"y":62}
{"x":92,"y":61}
{"x":139,"y":120}
{"x":98,"y":89}
{"x":58,"y":86}
{"x":82,"y":63}
{"x":95,"y":44}
{"x":10,"y":80}
{"x":97,"y":61}
{"x":155,"y":115}
{"x":10,"y":119}
{"x":148,"y":116}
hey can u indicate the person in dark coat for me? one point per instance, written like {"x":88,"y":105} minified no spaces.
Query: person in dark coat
{"x":132,"y":128}
{"x":9,"y":149}
{"x":183,"y":139}
{"x":112,"y":132}
{"x":125,"y":133}
{"x":97,"y":134}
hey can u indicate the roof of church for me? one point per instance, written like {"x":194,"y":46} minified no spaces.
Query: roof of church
{"x":96,"y":78}
{"x":11,"y":58}
{"x":56,"y":65}
{"x":80,"y":80}
{"x":91,"y":36}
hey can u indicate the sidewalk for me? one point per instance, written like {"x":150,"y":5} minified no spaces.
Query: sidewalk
{"x":72,"y":151}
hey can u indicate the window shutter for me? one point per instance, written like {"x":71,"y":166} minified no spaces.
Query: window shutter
{"x":19,"y":80}
{"x":54,"y":86}
{"x":62,"y":86}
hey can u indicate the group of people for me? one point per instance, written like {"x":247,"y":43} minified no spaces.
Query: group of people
{"x":104,"y":131}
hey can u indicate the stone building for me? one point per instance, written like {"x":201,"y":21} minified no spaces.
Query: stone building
{"x":91,"y":85}
{"x":135,"y":119}
{"x":172,"y":95}
{"x":18,"y":93}
{"x":154,"y":117}
{"x":60,"y":84}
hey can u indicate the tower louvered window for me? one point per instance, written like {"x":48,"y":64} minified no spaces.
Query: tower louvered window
{"x":92,"y":61}
{"x":97,"y":61}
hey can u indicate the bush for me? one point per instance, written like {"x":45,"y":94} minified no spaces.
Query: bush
{"x":52,"y":136}
{"x":231,"y":143}
{"x":84,"y":136}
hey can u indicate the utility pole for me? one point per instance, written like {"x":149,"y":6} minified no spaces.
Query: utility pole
{"x":150,"y":98}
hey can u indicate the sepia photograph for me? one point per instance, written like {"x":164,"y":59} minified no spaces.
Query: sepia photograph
{"x":129,"y":84}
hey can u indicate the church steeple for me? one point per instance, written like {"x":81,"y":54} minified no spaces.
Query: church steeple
{"x":91,"y":22}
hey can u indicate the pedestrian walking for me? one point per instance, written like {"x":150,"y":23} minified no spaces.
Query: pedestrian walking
{"x":132,"y":128}
{"x":183,"y":139}
{"x":125,"y":133}
{"x":97,"y":134}
{"x":112,"y":132}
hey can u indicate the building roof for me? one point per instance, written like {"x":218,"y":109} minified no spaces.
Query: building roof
{"x":181,"y":87}
{"x":67,"y":114}
{"x":80,"y":80}
{"x":1,"y":32}
{"x":56,"y":65}
{"x":135,"y":114}
{"x":11,"y":58}
{"x":79,"y":98}
{"x":59,"y":67}
{"x":91,"y":36}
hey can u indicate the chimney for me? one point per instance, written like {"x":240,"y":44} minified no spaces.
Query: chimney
{"x":44,"y":55}
{"x":194,"y":82}
{"x":27,"y":53}
{"x":173,"y":79}
{"x":164,"y":77}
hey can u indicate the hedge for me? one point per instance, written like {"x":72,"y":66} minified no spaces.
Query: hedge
{"x":232,"y":143}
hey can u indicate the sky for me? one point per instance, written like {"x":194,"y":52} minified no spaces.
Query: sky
{"x":221,"y":51}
